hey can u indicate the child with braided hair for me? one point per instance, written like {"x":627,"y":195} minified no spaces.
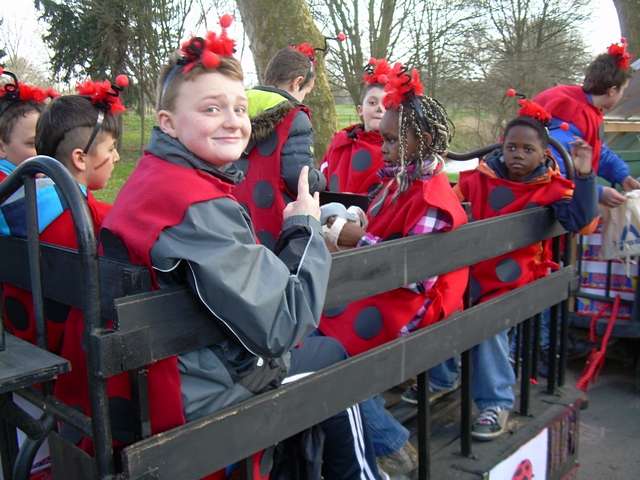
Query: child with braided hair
{"x":415,"y":199}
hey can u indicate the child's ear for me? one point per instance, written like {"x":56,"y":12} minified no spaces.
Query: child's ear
{"x":78,"y":160}
{"x":359,"y":110}
{"x":296,"y":83}
{"x":166,"y":122}
{"x":3,"y":152}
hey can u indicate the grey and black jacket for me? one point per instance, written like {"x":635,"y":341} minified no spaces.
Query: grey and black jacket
{"x":298,"y":148}
{"x":267,"y":302}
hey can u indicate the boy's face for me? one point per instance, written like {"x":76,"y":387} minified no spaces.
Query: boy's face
{"x":210,"y":118}
{"x":389,"y":129}
{"x":102,"y":157}
{"x":523,"y":152}
{"x":21,"y":144}
{"x":372,"y":109}
{"x":613,"y":97}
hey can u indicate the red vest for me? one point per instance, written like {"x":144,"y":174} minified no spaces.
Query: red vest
{"x":262,"y":190}
{"x":19,"y":316}
{"x":155,"y":197}
{"x":367,"y":323}
{"x":354,"y":159}
{"x":491,"y":196}
{"x":570,"y":104}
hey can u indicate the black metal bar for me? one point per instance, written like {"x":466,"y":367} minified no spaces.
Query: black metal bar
{"x":535,"y":354}
{"x":424,"y":427}
{"x":91,"y":303}
{"x":65,"y":413}
{"x":33,"y":241}
{"x":30,"y":447}
{"x":570,"y":169}
{"x":517,"y":332}
{"x":607,"y":288}
{"x":140,"y":390}
{"x":553,"y":333}
{"x":569,"y":240}
{"x":480,"y":152}
{"x":465,"y":405}
{"x":525,"y":375}
{"x":8,"y":442}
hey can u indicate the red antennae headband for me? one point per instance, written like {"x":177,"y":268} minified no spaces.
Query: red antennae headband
{"x":376,"y":72}
{"x":105,"y":96}
{"x":619,"y":50}
{"x":529,"y":108}
{"x":401,"y":86}
{"x":309,"y":51}
{"x":15,"y":91}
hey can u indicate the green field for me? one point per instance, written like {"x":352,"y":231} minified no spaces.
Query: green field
{"x":130,"y":149}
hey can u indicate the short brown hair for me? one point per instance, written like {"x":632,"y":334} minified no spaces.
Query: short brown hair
{"x":286,"y":65}
{"x":604,"y":73}
{"x":12,"y":112}
{"x":67,"y":123}
{"x":170,"y":78}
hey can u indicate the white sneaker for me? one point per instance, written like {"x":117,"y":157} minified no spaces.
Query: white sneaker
{"x":490,"y":423}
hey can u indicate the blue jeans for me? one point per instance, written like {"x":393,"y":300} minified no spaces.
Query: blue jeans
{"x":492,"y":377}
{"x":387,"y":434}
{"x":444,"y":375}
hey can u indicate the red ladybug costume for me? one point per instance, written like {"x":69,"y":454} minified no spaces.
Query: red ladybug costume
{"x":262,"y":191}
{"x":491,"y":196}
{"x":372,"y":321}
{"x":571,"y":104}
{"x":353,"y":161}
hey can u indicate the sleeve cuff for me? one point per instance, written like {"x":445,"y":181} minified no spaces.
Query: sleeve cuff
{"x":305,"y":221}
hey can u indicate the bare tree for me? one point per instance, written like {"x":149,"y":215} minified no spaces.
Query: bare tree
{"x":438,"y":31}
{"x":373,"y":28}
{"x":529,"y":45}
{"x":629,"y":17}
{"x":267,"y":32}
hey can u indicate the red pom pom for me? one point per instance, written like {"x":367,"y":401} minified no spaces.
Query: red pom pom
{"x":122,"y":81}
{"x":226,"y":20}
{"x":533,"y":110}
{"x":383,"y":79}
{"x":209,"y":59}
{"x":341,"y":37}
{"x":564,"y":126}
{"x":510,"y":92}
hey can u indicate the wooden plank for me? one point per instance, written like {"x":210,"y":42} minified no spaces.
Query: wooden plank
{"x":22,"y":364}
{"x":611,"y":126}
{"x":205,"y":445}
{"x":59,"y":264}
{"x":164,"y":322}
{"x":366,"y":271}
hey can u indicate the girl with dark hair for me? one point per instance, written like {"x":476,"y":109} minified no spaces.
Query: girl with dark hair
{"x":415,"y":198}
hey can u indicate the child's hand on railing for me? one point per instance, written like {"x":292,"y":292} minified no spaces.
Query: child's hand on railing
{"x":305,"y":204}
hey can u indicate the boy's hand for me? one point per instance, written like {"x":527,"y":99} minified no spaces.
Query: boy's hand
{"x":611,"y":198}
{"x":630,"y":183}
{"x":305,"y":204}
{"x":581,"y":152}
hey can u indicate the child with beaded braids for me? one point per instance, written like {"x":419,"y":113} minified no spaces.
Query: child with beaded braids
{"x":415,"y":199}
